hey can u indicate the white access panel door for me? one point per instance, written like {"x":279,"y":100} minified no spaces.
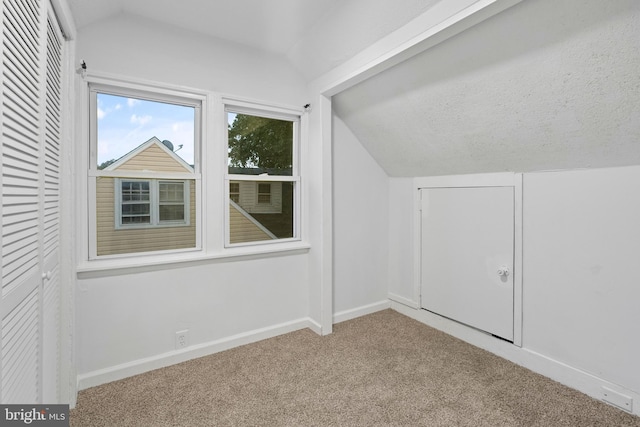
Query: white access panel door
{"x":467,"y":256}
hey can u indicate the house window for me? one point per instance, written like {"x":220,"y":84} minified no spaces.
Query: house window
{"x":152,"y":203}
{"x":234,"y":191}
{"x":171,"y":201}
{"x":263,"y":174}
{"x":144,"y":170}
{"x":264,"y":193}
{"x":136,"y":202}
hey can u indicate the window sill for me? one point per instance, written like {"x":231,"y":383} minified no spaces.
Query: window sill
{"x":143,"y":263}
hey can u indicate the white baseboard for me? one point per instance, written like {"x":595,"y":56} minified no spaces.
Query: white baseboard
{"x":405,"y":301}
{"x":118,"y":372}
{"x":361,"y":311}
{"x":315,"y":326}
{"x":570,"y":376}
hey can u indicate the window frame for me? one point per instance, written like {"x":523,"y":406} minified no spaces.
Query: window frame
{"x":157,"y":93}
{"x":231,"y":105}
{"x":208,"y":179}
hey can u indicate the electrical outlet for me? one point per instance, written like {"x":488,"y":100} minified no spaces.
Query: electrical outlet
{"x":182,"y":339}
{"x":617,"y":399}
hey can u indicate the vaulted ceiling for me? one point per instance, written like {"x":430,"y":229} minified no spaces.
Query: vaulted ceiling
{"x":313,"y":35}
{"x":542,"y":85}
{"x":269,"y":25}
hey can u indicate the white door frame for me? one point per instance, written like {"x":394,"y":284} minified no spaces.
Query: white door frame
{"x":506,"y":179}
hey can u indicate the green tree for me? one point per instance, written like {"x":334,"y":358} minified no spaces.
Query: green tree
{"x":260,"y":142}
{"x":106,"y":164}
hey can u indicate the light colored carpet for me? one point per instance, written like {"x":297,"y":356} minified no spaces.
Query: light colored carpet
{"x":383,"y":369}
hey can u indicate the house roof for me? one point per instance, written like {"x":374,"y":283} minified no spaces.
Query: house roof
{"x":233,"y":170}
{"x":153,"y":141}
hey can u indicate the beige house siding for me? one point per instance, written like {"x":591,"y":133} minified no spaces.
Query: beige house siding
{"x":112,"y":241}
{"x":242,"y":229}
{"x":152,"y":158}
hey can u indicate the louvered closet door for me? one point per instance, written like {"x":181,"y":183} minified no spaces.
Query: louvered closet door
{"x":30,"y":187}
{"x":51,"y":218}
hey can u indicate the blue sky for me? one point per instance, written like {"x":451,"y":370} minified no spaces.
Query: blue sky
{"x":125,"y":123}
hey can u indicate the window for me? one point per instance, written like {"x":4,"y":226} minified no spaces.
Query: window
{"x":234,"y":191}
{"x":151,"y":203}
{"x":264,"y":193}
{"x":135,"y":197}
{"x":144,"y":171}
{"x":145,"y":176}
{"x":263,"y":175}
{"x":171,"y":201}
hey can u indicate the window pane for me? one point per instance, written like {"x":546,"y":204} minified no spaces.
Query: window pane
{"x":259,"y":145}
{"x":129,"y":125}
{"x":171,"y":192}
{"x":135,"y":191}
{"x":172,"y":213}
{"x":136,"y":209}
{"x":252,"y":220}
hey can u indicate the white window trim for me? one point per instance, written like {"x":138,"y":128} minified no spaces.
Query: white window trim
{"x":200,"y":100}
{"x":154,"y":204}
{"x":209,"y":167}
{"x":239,"y":106}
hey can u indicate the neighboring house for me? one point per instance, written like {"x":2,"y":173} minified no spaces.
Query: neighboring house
{"x":245,"y":228}
{"x":152,"y":214}
{"x":257,"y":197}
{"x":146,"y":214}
{"x":267,"y":205}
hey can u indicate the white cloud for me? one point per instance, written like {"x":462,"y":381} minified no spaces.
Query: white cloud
{"x":131,"y":102}
{"x":140,"y":120}
{"x":117,"y":107}
{"x":101,"y":113}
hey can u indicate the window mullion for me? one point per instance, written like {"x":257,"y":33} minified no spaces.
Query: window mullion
{"x":154,"y":199}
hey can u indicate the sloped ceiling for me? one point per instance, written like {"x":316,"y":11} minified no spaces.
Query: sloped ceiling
{"x":313,"y":35}
{"x":273,"y":25}
{"x":543,"y":85}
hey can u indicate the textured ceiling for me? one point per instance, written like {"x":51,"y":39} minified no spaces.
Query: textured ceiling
{"x":543,"y":85}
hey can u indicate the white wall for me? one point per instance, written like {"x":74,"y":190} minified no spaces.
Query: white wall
{"x":360,"y":224}
{"x":126,"y":322}
{"x":581,"y":284}
{"x":130,"y":318}
{"x":401,"y":281}
{"x":133,"y":46}
{"x":581,"y":277}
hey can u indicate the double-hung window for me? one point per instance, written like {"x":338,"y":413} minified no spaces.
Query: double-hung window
{"x":145,"y":180}
{"x":263,"y":178}
{"x":144,"y":170}
{"x":151,"y":203}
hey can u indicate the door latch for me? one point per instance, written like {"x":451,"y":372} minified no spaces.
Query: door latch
{"x":503,"y":271}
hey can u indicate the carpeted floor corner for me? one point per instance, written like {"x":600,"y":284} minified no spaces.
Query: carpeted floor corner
{"x":383,"y":369}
